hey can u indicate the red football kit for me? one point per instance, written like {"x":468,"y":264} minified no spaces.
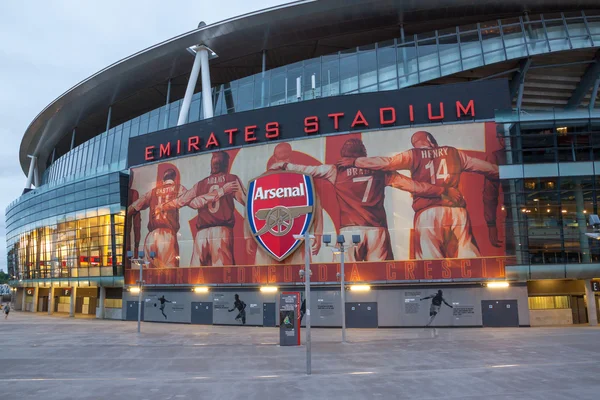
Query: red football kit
{"x":163,"y":225}
{"x":213,"y":243}
{"x":361,"y":194}
{"x":442,"y":230}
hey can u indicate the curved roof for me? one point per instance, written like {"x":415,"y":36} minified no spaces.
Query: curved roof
{"x":292,"y":32}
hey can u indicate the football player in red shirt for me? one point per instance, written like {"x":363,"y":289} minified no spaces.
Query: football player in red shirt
{"x":163,"y":225}
{"x":361,"y":193}
{"x":442,"y":229}
{"x":491,"y":190}
{"x":133,"y":221}
{"x":213,"y":197}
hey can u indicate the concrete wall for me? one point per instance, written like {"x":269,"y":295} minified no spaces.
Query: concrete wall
{"x":551,"y":317}
{"x":178,"y":307}
{"x":396,"y":306}
{"x":18,"y":300}
{"x":110,"y":313}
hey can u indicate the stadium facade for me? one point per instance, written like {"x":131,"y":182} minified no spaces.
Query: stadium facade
{"x":452,"y":145}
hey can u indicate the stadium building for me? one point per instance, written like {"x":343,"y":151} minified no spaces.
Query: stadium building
{"x":453,"y":145}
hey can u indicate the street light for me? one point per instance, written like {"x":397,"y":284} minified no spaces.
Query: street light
{"x":306,"y":273}
{"x":140,"y":262}
{"x":341,"y":249}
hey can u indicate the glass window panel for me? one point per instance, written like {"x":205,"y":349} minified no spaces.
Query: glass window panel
{"x":194,"y":114}
{"x":294,"y":72}
{"x":124,"y":144}
{"x":102,"y":151}
{"x":244,"y":99}
{"x":143,"y":125}
{"x":219,"y":101}
{"x":386,"y":60}
{"x":261,"y":89}
{"x":135,"y":127}
{"x":117,"y":146}
{"x":84,"y":154}
{"x":95,"y":153}
{"x":448,"y":48}
{"x":348,"y":74}
{"x":330,"y":80}
{"x":173,"y":114}
{"x":428,"y":59}
{"x":110,"y":140}
{"x":407,"y":60}
{"x":367,"y":70}
{"x":278,"y":87}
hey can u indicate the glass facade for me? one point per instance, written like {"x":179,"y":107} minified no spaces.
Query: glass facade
{"x":389,"y":65}
{"x":72,"y":227}
{"x":549,"y":302}
{"x":71,"y":232}
{"x":551,"y":185}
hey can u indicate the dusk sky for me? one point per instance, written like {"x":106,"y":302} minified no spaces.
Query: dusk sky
{"x":48,"y":47}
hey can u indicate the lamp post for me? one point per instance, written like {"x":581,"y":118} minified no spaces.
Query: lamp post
{"x":341,"y":249}
{"x":306,"y":273}
{"x":140,"y":262}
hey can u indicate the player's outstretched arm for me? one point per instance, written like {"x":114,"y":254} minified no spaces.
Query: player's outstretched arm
{"x":425,"y":298}
{"x":446,"y":303}
{"x":478,"y":166}
{"x":203,"y":200}
{"x":402,"y":182}
{"x":398,"y":162}
{"x":324,"y":171}
{"x":140,"y":204}
{"x":184,"y":198}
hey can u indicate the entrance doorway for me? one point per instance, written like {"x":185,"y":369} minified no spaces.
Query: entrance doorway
{"x":500,"y":313}
{"x":579,"y":310}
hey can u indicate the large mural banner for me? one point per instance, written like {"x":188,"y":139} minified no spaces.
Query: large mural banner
{"x":426,"y":203}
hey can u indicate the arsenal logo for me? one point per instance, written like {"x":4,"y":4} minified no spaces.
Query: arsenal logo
{"x":279,"y":206}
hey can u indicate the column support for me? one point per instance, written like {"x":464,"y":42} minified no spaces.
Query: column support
{"x":581,"y":222}
{"x":23,"y":300}
{"x":36,"y":297}
{"x":73,"y":298}
{"x":102,"y":298}
{"x":72,"y":139}
{"x":50,"y":299}
{"x":167,"y":107}
{"x":189,"y":91}
{"x":590,"y":297}
{"x":31,"y":173}
{"x":108,"y":118}
{"x":207,"y":103}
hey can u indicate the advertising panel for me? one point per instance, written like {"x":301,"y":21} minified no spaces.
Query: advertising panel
{"x":425,"y":201}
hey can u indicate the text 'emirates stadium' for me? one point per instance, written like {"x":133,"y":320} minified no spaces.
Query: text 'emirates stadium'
{"x":450,"y":146}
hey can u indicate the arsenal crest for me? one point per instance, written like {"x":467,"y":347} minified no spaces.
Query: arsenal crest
{"x":279,"y":206}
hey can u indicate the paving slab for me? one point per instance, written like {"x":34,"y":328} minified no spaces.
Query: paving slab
{"x":71,"y":358}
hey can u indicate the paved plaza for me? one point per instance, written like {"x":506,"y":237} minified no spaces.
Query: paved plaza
{"x":64,"y":358}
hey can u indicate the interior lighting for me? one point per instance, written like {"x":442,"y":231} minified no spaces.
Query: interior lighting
{"x":495,"y":285}
{"x":268,"y":289}
{"x":360,"y":288}
{"x":201,"y":289}
{"x":134,"y":289}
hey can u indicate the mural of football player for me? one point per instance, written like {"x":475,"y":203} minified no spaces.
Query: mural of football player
{"x":283,"y":153}
{"x":133,"y":221}
{"x":442,"y":228}
{"x":213,"y":197}
{"x":436,"y":304}
{"x":361,"y":194}
{"x":163,"y":225}
{"x":491,"y":190}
